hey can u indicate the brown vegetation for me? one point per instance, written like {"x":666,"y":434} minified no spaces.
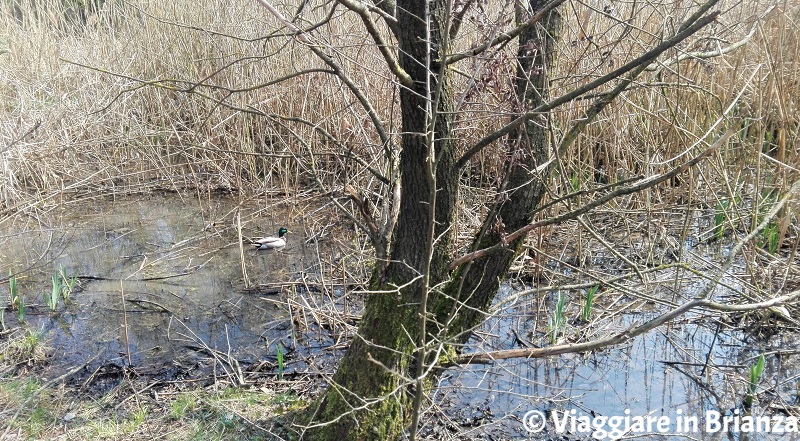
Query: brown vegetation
{"x":207,"y":98}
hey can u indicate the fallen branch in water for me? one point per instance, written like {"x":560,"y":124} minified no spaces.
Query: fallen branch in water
{"x":622,"y":337}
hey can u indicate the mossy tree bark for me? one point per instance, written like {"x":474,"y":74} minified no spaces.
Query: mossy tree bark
{"x":370,"y":397}
{"x":371,"y":394}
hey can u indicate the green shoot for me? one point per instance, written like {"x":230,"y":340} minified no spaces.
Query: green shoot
{"x":67,"y":284}
{"x":719,"y":218}
{"x":557,"y":321}
{"x":12,"y":288}
{"x":3,"y":318}
{"x":52,"y":300}
{"x":280,"y":362}
{"x":756,"y":371}
{"x":771,"y":235}
{"x":575,"y":182}
{"x":586,"y":312}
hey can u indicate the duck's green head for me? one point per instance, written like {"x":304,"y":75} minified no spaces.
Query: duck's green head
{"x":282,"y":231}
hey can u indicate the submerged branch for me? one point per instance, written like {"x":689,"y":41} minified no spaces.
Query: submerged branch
{"x":622,"y":337}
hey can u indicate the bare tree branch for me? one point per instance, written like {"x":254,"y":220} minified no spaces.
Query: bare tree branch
{"x":338,"y":70}
{"x":345,"y":150}
{"x":459,"y":9}
{"x":505,"y":37}
{"x":686,"y":30}
{"x":178,"y":85}
{"x":622,"y":337}
{"x":628,"y":189}
{"x":385,"y":49}
{"x":707,"y":54}
{"x":212,"y":32}
{"x":387,"y":9}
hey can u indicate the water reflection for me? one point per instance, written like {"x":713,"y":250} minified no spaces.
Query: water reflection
{"x":679,"y":371}
{"x":177,"y":266}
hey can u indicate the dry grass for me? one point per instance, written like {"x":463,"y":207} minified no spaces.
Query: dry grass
{"x":70,"y":128}
{"x":77,"y":119}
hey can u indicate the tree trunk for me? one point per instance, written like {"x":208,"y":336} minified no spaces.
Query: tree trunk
{"x":527,"y":148}
{"x":371,"y":392}
{"x":369,"y":397}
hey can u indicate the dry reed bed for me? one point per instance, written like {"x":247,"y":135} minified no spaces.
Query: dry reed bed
{"x":144,"y":96}
{"x":71,"y":127}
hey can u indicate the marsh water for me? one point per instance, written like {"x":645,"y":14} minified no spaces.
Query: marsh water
{"x":164,"y":288}
{"x":160,"y":287}
{"x":685,"y":370}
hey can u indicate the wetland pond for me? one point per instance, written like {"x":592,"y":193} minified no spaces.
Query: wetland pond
{"x":164,"y":290}
{"x":160,"y":287}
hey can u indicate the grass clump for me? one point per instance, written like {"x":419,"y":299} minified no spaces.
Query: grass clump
{"x":22,"y":347}
{"x":183,"y":405}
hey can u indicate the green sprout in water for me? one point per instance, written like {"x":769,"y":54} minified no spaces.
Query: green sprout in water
{"x":586,"y":312}
{"x":771,"y":235}
{"x":52,"y":300}
{"x":756,"y":371}
{"x":280,"y":362}
{"x":575,"y":182}
{"x":67,"y":284}
{"x":63,"y":286}
{"x":12,"y":288}
{"x":557,"y":320}
{"x":719,"y":218}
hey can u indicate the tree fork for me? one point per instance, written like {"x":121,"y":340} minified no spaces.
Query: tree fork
{"x":527,"y":148}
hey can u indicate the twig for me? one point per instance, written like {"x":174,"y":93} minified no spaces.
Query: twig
{"x":689,"y":27}
{"x":622,"y":337}
{"x":621,"y":191}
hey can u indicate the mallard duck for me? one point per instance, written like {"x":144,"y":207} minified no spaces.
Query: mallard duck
{"x":272,"y":242}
